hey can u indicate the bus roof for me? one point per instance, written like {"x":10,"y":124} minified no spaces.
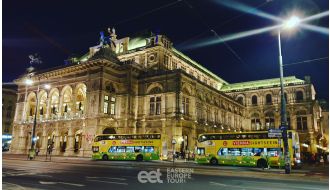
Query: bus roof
{"x":129,"y":134}
{"x":247,"y":132}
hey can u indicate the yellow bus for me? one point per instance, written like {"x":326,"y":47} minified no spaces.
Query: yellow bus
{"x":127,"y":147}
{"x":246,"y":149}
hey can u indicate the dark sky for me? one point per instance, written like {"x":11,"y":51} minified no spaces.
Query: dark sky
{"x":59,"y":29}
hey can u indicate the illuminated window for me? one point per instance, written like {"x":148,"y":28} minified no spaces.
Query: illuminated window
{"x":155,"y":105}
{"x":269,"y":120}
{"x":255,"y":122}
{"x":106,"y":104}
{"x":185,"y":106}
{"x":112,"y":105}
{"x":301,"y":120}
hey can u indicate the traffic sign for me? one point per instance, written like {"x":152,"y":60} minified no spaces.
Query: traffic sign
{"x":275,"y":133}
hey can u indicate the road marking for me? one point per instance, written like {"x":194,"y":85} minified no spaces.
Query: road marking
{"x":108,"y":182}
{"x":240,"y":187}
{"x":73,"y":184}
{"x":11,"y":184}
{"x":219,"y":184}
{"x":59,"y":182}
{"x":279,"y":185}
{"x":47,"y":182}
{"x":115,"y":178}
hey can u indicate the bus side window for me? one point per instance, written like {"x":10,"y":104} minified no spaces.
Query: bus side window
{"x":138,"y":149}
{"x":257,"y":151}
{"x":130,"y":149}
{"x":121,"y":149}
{"x":200,"y":151}
{"x":148,"y":149}
{"x":223,"y":151}
{"x":112,"y":149}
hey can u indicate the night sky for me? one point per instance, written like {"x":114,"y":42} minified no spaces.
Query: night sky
{"x":59,"y":29}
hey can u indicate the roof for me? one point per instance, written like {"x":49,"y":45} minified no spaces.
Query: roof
{"x":180,"y":54}
{"x":267,"y":83}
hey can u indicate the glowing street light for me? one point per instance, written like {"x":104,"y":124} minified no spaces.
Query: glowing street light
{"x":289,"y":24}
{"x":292,"y":22}
{"x":28,"y":82}
{"x":47,"y":86}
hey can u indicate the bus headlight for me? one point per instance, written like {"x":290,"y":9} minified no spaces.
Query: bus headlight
{"x":95,"y":148}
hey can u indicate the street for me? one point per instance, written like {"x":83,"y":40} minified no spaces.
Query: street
{"x":83,"y":173}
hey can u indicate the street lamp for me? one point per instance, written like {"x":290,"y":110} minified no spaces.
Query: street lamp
{"x":32,"y":150}
{"x":287,"y":25}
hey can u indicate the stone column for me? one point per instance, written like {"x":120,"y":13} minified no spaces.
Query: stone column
{"x":44,"y":142}
{"x":69,"y":151}
{"x":59,"y":114}
{"x":74,"y":99}
{"x":57,"y":148}
{"x":22,"y":141}
{"x":48,"y":108}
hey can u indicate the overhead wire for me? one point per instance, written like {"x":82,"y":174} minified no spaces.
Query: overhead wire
{"x":306,"y":61}
{"x":225,"y":22}
{"x":229,"y":48}
{"x":147,"y":12}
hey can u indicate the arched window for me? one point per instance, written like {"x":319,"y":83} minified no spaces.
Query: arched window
{"x":269,"y":99}
{"x":109,"y":130}
{"x":299,"y":96}
{"x":255,"y":122}
{"x":240,"y":100}
{"x":301,"y":120}
{"x":254,"y":100}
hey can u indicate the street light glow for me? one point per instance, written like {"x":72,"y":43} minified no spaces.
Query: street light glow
{"x":28,"y":82}
{"x":47,"y":86}
{"x":292,"y":22}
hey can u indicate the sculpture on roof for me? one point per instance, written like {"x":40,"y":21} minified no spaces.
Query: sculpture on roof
{"x":108,"y":40}
{"x":35,"y":59}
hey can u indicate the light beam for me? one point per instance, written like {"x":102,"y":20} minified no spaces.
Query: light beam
{"x":231,"y":37}
{"x":314,"y":28}
{"x":247,"y":9}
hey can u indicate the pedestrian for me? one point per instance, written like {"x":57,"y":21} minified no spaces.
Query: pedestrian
{"x":324,"y":155}
{"x":37,"y":151}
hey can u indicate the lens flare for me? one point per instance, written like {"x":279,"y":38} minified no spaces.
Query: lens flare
{"x":231,"y":37}
{"x":292,"y":22}
{"x":322,"y":30}
{"x":247,"y":9}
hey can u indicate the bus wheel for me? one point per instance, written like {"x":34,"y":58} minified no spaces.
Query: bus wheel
{"x":213,"y":161}
{"x":262,"y":163}
{"x":139,"y":158}
{"x":105,"y":157}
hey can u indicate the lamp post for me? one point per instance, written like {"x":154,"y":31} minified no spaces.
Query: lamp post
{"x":32,"y":151}
{"x":291,"y":23}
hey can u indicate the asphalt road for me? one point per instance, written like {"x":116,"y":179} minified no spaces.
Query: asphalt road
{"x":88,"y":174}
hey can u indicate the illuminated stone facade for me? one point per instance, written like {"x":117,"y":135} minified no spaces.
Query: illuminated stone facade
{"x":138,"y":85}
{"x":9,"y":99}
{"x":262,"y":101}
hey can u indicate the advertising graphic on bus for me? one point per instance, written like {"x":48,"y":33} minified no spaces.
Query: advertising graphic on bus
{"x":127,"y":147}
{"x":246,"y":149}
